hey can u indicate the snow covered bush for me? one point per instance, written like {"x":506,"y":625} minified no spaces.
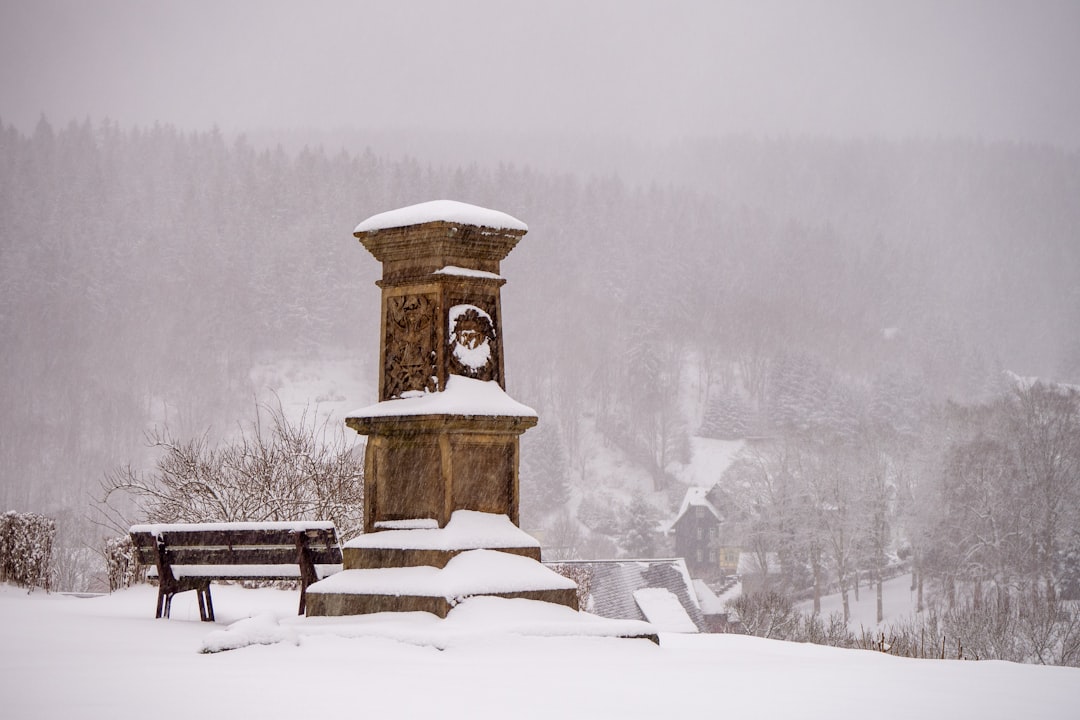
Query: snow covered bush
{"x":122,"y":563}
{"x":26,"y":544}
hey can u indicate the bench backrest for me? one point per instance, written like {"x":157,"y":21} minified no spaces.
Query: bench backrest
{"x":237,"y":543}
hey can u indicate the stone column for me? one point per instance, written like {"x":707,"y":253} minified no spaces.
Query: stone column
{"x":444,"y":434}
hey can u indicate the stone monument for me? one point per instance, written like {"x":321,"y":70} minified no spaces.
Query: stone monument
{"x":444,"y":435}
{"x":441,"y":465}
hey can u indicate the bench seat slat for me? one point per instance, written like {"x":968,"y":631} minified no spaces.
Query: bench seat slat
{"x":295,"y":525}
{"x":247,"y":556}
{"x":247,"y":572}
{"x":148,"y":556}
{"x":245,"y":537}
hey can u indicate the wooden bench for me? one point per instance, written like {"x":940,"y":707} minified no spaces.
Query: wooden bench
{"x":189,"y":556}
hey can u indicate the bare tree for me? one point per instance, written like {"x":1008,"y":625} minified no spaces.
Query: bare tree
{"x":833,"y":484}
{"x":274,"y":470}
{"x":1044,"y":422}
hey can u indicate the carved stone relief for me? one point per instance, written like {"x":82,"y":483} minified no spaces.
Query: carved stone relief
{"x":471,"y":341}
{"x":410,"y":345}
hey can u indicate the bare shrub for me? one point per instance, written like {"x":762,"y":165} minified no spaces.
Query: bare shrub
{"x":1028,"y":626}
{"x":766,"y":614}
{"x":275,"y":471}
{"x":832,"y":631}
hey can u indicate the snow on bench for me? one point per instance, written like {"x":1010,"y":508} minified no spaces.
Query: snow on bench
{"x":188,"y":556}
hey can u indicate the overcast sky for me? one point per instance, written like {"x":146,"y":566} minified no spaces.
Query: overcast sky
{"x":654,"y":71}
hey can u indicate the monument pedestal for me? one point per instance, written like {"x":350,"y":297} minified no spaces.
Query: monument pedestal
{"x":430,"y":455}
{"x":432,"y":569}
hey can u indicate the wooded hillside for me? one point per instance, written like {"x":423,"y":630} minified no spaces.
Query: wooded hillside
{"x":143,"y":268}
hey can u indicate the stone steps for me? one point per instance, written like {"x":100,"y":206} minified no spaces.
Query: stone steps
{"x":336,"y":604}
{"x":428,"y":588}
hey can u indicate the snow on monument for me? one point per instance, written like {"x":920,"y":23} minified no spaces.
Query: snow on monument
{"x":444,"y":435}
{"x":441,"y":465}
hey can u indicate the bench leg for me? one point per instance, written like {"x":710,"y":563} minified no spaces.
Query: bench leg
{"x":202,"y":603}
{"x":206,"y":603}
{"x":168,"y":603}
{"x":160,"y":601}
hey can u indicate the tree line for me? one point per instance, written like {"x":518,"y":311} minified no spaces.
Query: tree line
{"x":784,"y":285}
{"x":982,"y":503}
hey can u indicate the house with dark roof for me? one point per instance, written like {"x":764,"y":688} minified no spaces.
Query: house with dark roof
{"x":696,"y":530}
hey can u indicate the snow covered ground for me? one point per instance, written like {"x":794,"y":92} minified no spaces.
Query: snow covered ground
{"x":107,"y":657}
{"x":898,"y":602}
{"x":709,"y":458}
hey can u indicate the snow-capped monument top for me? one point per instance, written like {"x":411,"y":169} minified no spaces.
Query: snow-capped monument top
{"x":450,"y":211}
{"x":440,"y":237}
{"x":440,"y":281}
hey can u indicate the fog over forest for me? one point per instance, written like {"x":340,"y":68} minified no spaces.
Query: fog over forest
{"x":848,"y":230}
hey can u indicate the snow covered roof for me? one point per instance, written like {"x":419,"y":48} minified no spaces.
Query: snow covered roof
{"x":708,"y":600}
{"x":462,"y":396}
{"x":695,"y":497}
{"x":664,"y":611}
{"x":446,"y":210}
{"x":612,"y":586}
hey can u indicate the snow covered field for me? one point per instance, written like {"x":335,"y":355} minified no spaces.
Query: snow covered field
{"x":107,"y":657}
{"x":898,"y":603}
